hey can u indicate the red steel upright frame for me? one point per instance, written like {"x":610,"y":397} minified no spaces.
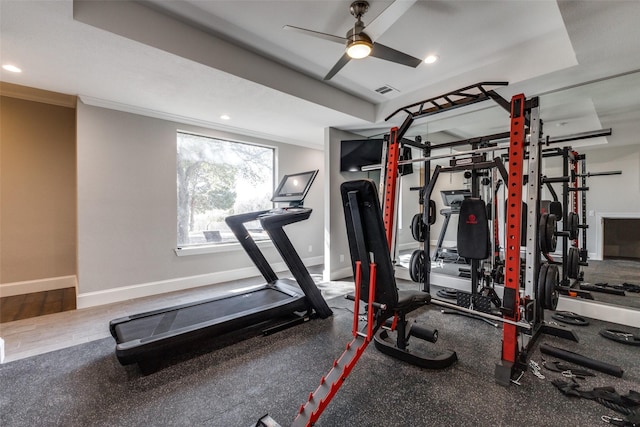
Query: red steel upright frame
{"x":513,"y":230}
{"x":390,"y":185}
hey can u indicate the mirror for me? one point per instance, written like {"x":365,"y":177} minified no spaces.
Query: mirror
{"x":612,"y":200}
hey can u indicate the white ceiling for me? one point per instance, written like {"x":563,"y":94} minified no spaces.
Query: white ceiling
{"x":192,"y":61}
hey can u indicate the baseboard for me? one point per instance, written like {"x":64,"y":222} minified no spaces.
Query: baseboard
{"x":408,"y":246}
{"x":341,"y":273}
{"x":39,"y":285}
{"x":597,"y":310}
{"x":124,"y":293}
{"x":445,"y":243}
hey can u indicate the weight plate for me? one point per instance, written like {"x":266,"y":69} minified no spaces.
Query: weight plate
{"x":542,"y":277}
{"x":542,"y":233}
{"x":570,"y":318}
{"x":547,"y":233}
{"x":551,"y":233}
{"x":574,"y":222}
{"x":551,"y":294}
{"x":573,"y":263}
{"x":621,"y":336}
{"x":416,"y":266}
{"x":447,"y":293}
{"x":417,"y":229}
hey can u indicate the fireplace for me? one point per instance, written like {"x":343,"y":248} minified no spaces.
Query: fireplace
{"x":621,"y":238}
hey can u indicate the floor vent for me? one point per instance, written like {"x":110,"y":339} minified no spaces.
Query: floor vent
{"x":383,"y":90}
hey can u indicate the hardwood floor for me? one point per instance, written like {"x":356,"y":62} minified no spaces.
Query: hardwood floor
{"x":18,"y":307}
{"x":42,"y":334}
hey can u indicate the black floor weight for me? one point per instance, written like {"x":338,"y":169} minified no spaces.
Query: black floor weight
{"x":573,"y":263}
{"x":551,"y":294}
{"x":416,"y":266}
{"x":547,"y":239}
{"x":417,"y":228}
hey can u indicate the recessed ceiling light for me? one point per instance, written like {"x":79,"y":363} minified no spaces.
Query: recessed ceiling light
{"x":12,"y":68}
{"x":430,"y":59}
{"x":225,"y":117}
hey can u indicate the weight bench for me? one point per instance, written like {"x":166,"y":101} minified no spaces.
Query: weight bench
{"x":376,"y":289}
{"x":368,"y":244}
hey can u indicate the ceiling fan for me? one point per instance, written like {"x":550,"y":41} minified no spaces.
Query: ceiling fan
{"x":358,"y":43}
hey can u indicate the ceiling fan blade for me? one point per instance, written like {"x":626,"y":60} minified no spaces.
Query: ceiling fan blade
{"x":325,"y":36}
{"x":381,"y":23}
{"x":388,"y":54}
{"x":341,"y":63}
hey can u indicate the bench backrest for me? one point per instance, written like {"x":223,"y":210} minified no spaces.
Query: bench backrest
{"x":367,"y":239}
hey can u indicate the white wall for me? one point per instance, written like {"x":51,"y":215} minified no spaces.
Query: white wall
{"x":127,"y":204}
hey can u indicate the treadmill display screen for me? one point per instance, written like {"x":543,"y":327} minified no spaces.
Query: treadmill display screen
{"x":294,"y":188}
{"x":454,"y":198}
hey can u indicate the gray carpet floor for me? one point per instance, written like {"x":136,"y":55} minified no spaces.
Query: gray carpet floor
{"x":235,"y":385}
{"x":614,"y":272}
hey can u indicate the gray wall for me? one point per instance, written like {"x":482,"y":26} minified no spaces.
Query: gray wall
{"x":127,"y":201}
{"x":127,"y":228}
{"x":617,"y":195}
{"x":336,"y":244}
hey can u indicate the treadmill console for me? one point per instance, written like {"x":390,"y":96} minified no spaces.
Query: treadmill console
{"x":285,"y":211}
{"x":293,"y":188}
{"x":282,"y":216}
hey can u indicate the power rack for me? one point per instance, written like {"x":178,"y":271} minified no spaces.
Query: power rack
{"x":522,"y":312}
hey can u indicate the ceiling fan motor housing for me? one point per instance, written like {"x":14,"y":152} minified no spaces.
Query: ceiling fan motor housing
{"x":356,"y":34}
{"x":359,"y":8}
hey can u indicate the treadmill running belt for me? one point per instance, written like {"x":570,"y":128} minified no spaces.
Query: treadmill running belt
{"x":144,"y":327}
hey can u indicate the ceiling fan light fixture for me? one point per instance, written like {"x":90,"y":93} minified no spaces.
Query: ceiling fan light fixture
{"x":359,"y":45}
{"x":359,"y":49}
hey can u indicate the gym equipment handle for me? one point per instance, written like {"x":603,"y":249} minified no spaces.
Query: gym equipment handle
{"x":424,"y":334}
{"x":581,"y":360}
{"x":554,"y":180}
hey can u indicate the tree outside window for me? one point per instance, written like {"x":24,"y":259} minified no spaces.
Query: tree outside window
{"x":218,"y":178}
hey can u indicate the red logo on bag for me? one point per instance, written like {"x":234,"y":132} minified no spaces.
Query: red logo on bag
{"x":471,"y":219}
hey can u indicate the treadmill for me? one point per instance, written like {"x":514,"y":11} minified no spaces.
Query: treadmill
{"x":147,"y":338}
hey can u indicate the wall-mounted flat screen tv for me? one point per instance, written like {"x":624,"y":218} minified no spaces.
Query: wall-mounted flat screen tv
{"x":356,"y":153}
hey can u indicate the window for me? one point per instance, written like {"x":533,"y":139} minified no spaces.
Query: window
{"x":218,"y":178}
